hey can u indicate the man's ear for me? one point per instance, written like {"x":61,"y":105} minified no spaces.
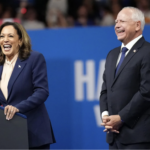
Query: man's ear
{"x":138,"y":26}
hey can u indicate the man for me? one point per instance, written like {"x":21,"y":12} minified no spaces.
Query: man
{"x":125,"y":95}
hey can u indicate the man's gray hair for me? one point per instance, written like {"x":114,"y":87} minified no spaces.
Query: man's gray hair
{"x":137,"y":15}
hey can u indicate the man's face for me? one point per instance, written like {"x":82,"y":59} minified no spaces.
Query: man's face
{"x":125,"y":27}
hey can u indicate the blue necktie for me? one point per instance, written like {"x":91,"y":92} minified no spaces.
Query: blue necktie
{"x":124,"y":50}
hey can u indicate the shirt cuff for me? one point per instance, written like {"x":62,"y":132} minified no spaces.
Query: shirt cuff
{"x":105,"y":113}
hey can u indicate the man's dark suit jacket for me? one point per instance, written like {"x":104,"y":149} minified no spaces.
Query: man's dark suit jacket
{"x":27,"y":90}
{"x":128,"y":94}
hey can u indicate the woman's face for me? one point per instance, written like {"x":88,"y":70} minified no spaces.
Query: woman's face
{"x":9,"y":41}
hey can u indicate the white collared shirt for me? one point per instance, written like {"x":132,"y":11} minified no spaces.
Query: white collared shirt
{"x":6,"y":74}
{"x":129,"y":47}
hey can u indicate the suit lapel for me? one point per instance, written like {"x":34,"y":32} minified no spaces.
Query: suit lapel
{"x":1,"y":94}
{"x":114,"y":62}
{"x":19,"y":66}
{"x":1,"y":69}
{"x":132,"y":52}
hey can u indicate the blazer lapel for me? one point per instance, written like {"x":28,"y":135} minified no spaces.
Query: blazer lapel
{"x":1,"y":69}
{"x":17,"y":70}
{"x":132,"y":52}
{"x":1,"y":94}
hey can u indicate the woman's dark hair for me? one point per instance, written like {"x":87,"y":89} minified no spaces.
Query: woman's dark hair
{"x":25,"y":48}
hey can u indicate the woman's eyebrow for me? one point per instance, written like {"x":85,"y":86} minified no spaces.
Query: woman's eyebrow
{"x":5,"y":33}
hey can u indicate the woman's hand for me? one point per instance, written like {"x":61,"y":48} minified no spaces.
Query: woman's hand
{"x":9,"y":111}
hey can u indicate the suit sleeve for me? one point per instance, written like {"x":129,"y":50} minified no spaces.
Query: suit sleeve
{"x":140,"y":102}
{"x":40,"y":86}
{"x":103,"y":94}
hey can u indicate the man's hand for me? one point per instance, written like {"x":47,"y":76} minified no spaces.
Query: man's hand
{"x":112,"y":123}
{"x":115,"y":122}
{"x":109,"y":129}
{"x":105,"y":119}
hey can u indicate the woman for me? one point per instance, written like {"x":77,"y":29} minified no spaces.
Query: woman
{"x":23,"y":84}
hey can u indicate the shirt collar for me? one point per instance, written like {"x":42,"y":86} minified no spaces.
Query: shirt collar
{"x":14,"y":59}
{"x":130,"y":44}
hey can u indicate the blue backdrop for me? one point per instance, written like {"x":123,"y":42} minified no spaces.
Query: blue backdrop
{"x":75,"y":62}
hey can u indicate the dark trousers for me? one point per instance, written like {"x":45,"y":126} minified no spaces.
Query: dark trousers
{"x":47,"y":146}
{"x":117,"y":145}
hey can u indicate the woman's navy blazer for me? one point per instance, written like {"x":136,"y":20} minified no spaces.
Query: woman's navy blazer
{"x":28,"y":90}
